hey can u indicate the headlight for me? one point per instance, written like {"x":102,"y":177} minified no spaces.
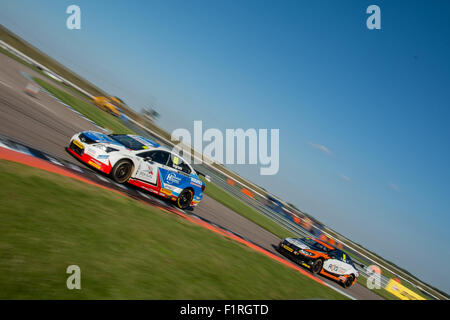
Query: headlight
{"x":109,"y":149}
{"x":305,"y":252}
{"x":105,"y":148}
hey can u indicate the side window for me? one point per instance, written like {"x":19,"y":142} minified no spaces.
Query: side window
{"x":144,"y":154}
{"x":157,"y":156}
{"x":178,"y":164}
{"x":160,"y":157}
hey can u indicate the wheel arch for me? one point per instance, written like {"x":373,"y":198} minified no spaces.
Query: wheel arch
{"x":189,"y":188}
{"x":120,"y":158}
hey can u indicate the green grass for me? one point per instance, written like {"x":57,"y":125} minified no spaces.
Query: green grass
{"x":100,"y":117}
{"x":244,"y":210}
{"x":125,"y":249}
{"x":14,"y":57}
{"x":362,"y":280}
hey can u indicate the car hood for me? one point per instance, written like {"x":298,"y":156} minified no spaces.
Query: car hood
{"x":101,"y":138}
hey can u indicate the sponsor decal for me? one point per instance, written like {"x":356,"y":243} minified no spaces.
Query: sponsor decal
{"x":194,"y":180}
{"x":91,"y":152}
{"x":165,"y":191}
{"x":78,"y":144}
{"x":401,"y":291}
{"x":172,"y":188}
{"x":173,"y":178}
{"x":96,"y":165}
{"x":146,"y":172}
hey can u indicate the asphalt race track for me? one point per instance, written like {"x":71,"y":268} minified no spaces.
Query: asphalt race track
{"x":44,"y":123}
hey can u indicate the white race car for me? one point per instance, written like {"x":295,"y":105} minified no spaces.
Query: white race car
{"x":140,"y":162}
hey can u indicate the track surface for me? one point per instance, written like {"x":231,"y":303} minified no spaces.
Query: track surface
{"x":45,"y":124}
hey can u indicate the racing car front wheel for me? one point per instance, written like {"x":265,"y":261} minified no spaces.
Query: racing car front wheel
{"x":121,"y":171}
{"x":316,"y":267}
{"x":185,"y":198}
{"x":349,"y":281}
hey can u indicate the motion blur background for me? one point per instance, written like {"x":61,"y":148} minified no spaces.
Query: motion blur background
{"x":363,"y":114}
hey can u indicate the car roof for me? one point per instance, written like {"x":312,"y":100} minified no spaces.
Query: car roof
{"x":152,"y":146}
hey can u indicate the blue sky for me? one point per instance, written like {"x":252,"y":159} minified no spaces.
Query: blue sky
{"x":363,"y":115}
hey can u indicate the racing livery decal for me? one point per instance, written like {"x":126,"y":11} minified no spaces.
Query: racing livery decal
{"x":141,"y":162}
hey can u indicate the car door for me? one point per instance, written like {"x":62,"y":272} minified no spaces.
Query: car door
{"x":150,"y":162}
{"x":175,"y":175}
{"x":336,"y":265}
{"x":178,"y":165}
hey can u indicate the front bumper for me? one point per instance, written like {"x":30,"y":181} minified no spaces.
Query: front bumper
{"x":289,"y":252}
{"x":77,"y":150}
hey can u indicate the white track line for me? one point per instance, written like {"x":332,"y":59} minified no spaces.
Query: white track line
{"x":5,"y":84}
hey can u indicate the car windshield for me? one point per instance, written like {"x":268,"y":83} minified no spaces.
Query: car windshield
{"x":128,"y":141}
{"x":315,"y":245}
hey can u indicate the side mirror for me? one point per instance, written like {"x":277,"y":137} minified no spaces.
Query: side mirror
{"x":148,"y":159}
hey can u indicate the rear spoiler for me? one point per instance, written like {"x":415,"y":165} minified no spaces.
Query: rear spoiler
{"x":208,"y":178}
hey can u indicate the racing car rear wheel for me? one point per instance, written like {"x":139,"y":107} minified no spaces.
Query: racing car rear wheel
{"x":185,"y":198}
{"x":316,"y":267}
{"x":122,"y":170}
{"x":348,"y":282}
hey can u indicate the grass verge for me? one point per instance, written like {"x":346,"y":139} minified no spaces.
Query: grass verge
{"x":125,"y":249}
{"x":244,"y":210}
{"x":90,"y":111}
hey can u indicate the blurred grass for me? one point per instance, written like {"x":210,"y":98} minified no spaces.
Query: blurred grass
{"x":125,"y":249}
{"x":71,"y":89}
{"x":90,"y":111}
{"x":39,"y":56}
{"x":244,"y":210}
{"x":362,"y":280}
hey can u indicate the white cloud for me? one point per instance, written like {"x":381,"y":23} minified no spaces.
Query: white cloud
{"x":320,"y":147}
{"x":393,"y":186}
{"x":344,"y":177}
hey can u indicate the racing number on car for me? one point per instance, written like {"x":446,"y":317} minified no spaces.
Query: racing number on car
{"x":333,"y":267}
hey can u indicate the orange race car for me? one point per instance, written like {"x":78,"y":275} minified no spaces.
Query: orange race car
{"x":321,"y":258}
{"x":109,"y":105}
